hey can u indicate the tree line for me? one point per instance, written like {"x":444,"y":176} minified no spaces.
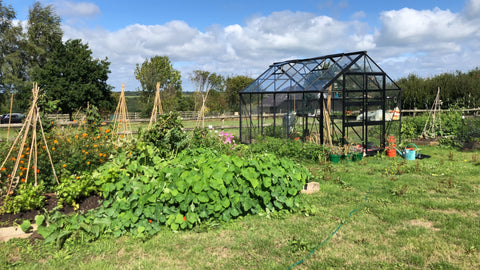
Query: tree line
{"x":457,"y":89}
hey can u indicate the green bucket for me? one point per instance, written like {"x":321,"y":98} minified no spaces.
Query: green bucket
{"x":357,"y":156}
{"x":334,"y":158}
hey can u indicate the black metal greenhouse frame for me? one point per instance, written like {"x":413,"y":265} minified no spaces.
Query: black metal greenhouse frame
{"x":365,"y":101}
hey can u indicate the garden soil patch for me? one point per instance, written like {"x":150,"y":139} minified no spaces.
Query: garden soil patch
{"x":8,"y":220}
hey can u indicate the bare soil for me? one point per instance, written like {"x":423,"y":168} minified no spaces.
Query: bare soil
{"x":7,"y":220}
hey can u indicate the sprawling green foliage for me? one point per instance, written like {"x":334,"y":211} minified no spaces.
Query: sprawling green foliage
{"x":143,"y":193}
{"x":297,"y":150}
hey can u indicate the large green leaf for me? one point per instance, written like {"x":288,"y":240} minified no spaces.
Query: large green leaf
{"x":251,"y":175}
{"x":203,"y":197}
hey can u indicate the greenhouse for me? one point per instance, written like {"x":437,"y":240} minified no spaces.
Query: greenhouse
{"x":336,"y":99}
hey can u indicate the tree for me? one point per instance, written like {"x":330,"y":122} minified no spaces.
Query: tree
{"x":44,"y":34}
{"x":204,"y":82}
{"x":76,"y":79}
{"x":12,"y":53}
{"x":159,"y":69}
{"x":233,"y":86}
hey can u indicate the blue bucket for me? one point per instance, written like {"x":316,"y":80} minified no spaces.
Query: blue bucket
{"x":410,"y":153}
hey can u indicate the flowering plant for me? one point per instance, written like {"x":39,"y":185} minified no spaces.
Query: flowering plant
{"x":391,"y":144}
{"x":227,"y":138}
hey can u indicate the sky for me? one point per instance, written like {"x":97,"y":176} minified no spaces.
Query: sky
{"x":231,"y":38}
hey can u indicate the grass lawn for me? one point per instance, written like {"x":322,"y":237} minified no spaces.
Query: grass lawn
{"x":390,"y":214}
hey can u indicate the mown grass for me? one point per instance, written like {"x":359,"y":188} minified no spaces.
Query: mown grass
{"x":392,"y":214}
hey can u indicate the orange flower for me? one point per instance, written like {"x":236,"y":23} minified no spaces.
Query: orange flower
{"x":100,"y":154}
{"x":22,"y":156}
{"x":38,"y":170}
{"x":64,"y":165}
{"x":86,"y":153}
{"x":51,"y":123}
{"x":76,"y":136}
{"x":21,"y":161}
{"x":3,"y":169}
{"x":12,"y":158}
{"x":55,"y":141}
{"x":107,"y":131}
{"x":104,"y":155}
{"x":95,"y":145}
{"x":27,"y":149}
{"x":21,"y":173}
{"x":84,"y":135}
{"x":43,"y":147}
{"x":23,"y":180}
{"x":68,"y":140}
{"x":53,"y":148}
{"x":101,"y":160}
{"x":149,"y":221}
{"x":88,"y":162}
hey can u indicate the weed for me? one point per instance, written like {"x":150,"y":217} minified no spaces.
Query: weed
{"x":399,"y":191}
{"x":297,"y":244}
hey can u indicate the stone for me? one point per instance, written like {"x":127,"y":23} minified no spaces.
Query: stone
{"x":311,"y":187}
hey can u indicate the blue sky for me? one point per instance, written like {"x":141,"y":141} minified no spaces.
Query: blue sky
{"x":425,"y":37}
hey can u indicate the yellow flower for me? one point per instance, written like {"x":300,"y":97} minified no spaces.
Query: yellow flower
{"x":53,"y":148}
{"x":55,"y":141}
{"x":88,"y":162}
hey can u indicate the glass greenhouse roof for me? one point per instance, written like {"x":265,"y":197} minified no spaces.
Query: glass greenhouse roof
{"x":315,"y":74}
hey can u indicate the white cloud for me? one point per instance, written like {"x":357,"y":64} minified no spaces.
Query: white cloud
{"x":76,"y":9}
{"x":472,"y":9}
{"x":414,"y":27}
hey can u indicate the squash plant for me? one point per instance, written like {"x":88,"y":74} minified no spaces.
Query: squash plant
{"x":144,"y":193}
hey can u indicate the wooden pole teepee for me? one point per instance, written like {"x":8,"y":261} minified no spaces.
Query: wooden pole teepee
{"x":431,"y":123}
{"x":157,"y":107}
{"x":121,"y":124}
{"x":30,"y":125}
